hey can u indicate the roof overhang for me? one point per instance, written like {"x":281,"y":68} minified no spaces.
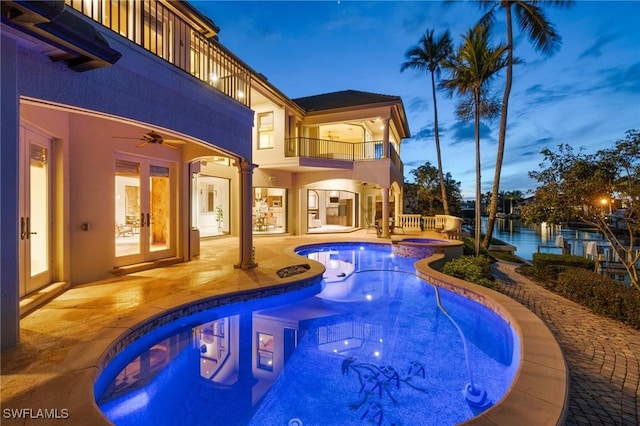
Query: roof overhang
{"x":54,"y":23}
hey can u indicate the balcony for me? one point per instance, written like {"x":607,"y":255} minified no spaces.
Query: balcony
{"x":338,"y":150}
{"x":161,"y":29}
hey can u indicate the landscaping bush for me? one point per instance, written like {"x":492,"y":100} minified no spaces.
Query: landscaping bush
{"x":601,"y":294}
{"x":541,"y":260}
{"x":469,"y":248}
{"x":473,"y":269}
{"x":548,"y":266}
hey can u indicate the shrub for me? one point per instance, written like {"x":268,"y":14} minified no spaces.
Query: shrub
{"x":473,"y":269}
{"x":541,"y":260}
{"x":601,"y":294}
{"x":469,"y":248}
{"x":549,"y":266}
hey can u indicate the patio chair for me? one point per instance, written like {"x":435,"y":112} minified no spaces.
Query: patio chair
{"x":369,"y":224}
{"x":123,"y":230}
{"x":397,"y":224}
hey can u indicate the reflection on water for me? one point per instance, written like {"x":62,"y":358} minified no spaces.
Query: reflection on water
{"x":371,"y":347}
{"x":527,"y":238}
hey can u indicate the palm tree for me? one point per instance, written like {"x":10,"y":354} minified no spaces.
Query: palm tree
{"x":535,"y":26}
{"x":428,"y":56}
{"x":473,"y":66}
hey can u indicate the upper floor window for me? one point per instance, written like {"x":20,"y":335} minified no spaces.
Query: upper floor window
{"x":265,"y":130}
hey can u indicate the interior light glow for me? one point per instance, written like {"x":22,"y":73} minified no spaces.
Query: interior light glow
{"x":369,"y":297}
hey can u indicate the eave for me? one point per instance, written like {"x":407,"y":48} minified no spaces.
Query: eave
{"x":54,"y":23}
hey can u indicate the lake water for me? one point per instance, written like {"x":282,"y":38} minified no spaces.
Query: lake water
{"x":527,"y":238}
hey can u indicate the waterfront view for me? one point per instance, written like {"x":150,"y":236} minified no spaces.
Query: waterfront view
{"x":527,"y":238}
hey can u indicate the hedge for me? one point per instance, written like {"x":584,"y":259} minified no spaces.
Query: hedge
{"x":603,"y":295}
{"x":542,"y":260}
{"x":547,"y":265}
{"x":473,"y":269}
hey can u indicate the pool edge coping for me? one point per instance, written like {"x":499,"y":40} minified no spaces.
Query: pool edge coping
{"x":540,"y":387}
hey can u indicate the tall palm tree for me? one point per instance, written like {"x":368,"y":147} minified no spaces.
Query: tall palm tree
{"x":428,"y":56}
{"x":535,"y":26}
{"x":475,"y":63}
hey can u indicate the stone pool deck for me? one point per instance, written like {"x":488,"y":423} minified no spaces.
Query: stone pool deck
{"x":55,"y":364}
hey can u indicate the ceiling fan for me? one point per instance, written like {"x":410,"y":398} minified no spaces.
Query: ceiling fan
{"x":155,"y":138}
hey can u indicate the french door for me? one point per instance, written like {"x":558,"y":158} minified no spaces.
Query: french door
{"x":145,"y":227}
{"x":35,"y":251}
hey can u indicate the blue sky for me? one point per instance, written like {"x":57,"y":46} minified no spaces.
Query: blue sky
{"x":587,"y":94}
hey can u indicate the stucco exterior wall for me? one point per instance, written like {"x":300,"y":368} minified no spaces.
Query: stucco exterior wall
{"x":81,"y":112}
{"x":143,"y":88}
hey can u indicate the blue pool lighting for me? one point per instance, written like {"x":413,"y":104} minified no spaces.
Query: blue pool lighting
{"x":373,"y":344}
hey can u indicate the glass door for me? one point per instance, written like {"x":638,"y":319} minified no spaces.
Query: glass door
{"x":159,"y":211}
{"x":35,"y":211}
{"x":144,"y":210}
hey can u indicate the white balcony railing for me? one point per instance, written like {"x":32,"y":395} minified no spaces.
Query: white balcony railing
{"x":338,"y":150}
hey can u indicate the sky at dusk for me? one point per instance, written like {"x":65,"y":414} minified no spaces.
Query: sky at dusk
{"x":587,"y":94}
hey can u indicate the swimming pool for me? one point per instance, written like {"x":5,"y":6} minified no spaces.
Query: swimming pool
{"x":371,"y":346}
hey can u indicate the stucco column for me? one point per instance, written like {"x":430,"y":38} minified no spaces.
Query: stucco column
{"x":246,"y":230}
{"x":385,"y":213}
{"x":9,"y":235}
{"x":385,"y":138}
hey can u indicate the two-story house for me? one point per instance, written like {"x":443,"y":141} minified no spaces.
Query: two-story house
{"x":129,"y":132}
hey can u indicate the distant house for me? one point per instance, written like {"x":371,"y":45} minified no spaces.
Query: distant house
{"x":129,"y":132}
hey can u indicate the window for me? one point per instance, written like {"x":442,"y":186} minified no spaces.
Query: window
{"x":265,"y":130}
{"x":265,"y":351}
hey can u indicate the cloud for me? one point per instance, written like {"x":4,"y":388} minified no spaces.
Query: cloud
{"x":464,"y":133}
{"x":415,"y":23}
{"x":426,"y":133}
{"x":596,"y":49}
{"x":418,"y":104}
{"x":413,"y":164}
{"x":619,"y":79}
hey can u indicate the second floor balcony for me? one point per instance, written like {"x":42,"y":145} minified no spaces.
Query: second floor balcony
{"x":338,"y":150}
{"x":177,"y":33}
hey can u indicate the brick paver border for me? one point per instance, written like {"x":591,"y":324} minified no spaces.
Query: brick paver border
{"x":603,"y":355}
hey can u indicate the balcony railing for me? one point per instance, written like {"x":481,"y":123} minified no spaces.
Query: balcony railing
{"x":159,"y":29}
{"x":338,"y":150}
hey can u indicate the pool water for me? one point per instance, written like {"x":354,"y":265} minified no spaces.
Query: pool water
{"x":371,"y":346}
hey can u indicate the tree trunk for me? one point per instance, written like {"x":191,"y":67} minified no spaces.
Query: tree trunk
{"x":478,"y":178}
{"x":493,"y":207}
{"x":443,"y":188}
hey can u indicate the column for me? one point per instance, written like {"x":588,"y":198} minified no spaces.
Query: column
{"x":385,"y":138}
{"x":9,"y":235}
{"x":246,"y":231}
{"x":384,"y":222}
